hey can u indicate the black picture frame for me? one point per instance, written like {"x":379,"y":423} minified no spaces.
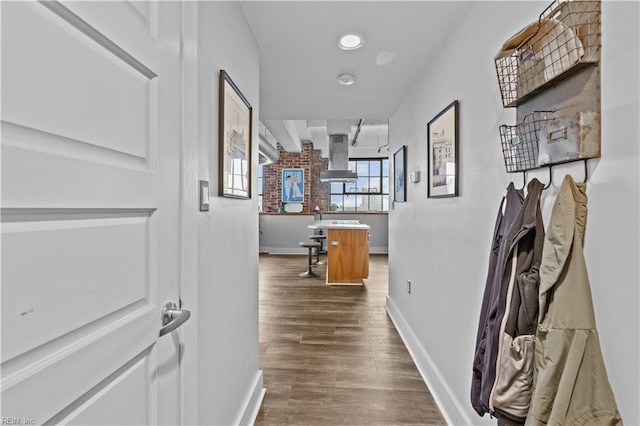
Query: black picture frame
{"x":442,"y":142}
{"x":234,"y":134}
{"x":400,"y":175}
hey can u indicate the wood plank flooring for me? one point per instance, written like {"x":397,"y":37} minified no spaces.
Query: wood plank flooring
{"x":331,"y":355}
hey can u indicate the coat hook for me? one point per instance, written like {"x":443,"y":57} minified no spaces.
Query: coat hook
{"x":524,"y":178}
{"x":550,"y":179}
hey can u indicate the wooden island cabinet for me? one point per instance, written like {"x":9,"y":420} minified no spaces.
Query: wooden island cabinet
{"x":347,"y":251}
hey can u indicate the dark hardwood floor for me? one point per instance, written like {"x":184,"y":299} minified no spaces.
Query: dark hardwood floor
{"x":331,"y":355}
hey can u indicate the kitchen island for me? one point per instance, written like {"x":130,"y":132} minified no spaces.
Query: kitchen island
{"x":347,"y":250}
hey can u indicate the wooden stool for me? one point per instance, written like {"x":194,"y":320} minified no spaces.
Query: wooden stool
{"x":318,"y":239}
{"x":310,"y":246}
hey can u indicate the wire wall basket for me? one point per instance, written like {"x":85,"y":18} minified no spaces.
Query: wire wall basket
{"x":520,"y":146}
{"x":564,"y":40}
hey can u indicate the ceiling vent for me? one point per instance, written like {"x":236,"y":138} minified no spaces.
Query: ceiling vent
{"x":338,"y":161}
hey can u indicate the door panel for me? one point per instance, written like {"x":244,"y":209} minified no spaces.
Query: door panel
{"x":74,"y":87}
{"x":90,"y":247}
{"x":83,"y":178}
{"x":77,"y":281}
{"x":56,"y":384}
{"x":129,"y":389}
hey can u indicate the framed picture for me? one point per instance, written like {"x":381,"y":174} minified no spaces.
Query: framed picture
{"x":442,"y":133}
{"x":234,"y":141}
{"x":292,"y":184}
{"x":399,"y":175}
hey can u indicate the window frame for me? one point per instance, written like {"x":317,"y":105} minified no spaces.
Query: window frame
{"x":353,"y":165}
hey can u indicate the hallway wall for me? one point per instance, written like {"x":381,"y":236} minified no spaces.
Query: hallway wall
{"x":229,"y":381}
{"x":442,"y":245}
{"x":281,"y":233}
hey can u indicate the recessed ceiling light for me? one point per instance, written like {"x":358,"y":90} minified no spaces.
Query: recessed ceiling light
{"x":352,"y":41}
{"x":346,"y":79}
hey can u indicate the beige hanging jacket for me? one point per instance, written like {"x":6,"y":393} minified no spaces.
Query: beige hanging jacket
{"x":570,"y":381}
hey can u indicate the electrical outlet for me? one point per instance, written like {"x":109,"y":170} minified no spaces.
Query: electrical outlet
{"x":408,"y":286}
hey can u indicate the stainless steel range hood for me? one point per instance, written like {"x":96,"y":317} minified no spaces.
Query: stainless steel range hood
{"x":338,"y":176}
{"x":338,"y":161}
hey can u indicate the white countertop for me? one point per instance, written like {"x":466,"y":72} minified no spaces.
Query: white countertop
{"x":338,"y":224}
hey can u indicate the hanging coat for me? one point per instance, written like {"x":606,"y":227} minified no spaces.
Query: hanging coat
{"x":511,"y":393}
{"x":570,"y":381}
{"x":491,"y":314}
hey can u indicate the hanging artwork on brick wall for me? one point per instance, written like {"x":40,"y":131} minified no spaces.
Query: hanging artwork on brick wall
{"x":292,"y":185}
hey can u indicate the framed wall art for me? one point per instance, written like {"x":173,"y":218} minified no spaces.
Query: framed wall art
{"x":235,"y":123}
{"x":399,"y":175}
{"x":442,"y":134}
{"x":292,"y":184}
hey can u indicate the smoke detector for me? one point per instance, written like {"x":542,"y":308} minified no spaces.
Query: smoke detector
{"x":346,"y":79}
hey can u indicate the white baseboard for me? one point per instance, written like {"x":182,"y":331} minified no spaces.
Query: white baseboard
{"x":285,"y":250}
{"x":253,"y":402}
{"x":378,"y":250}
{"x":298,"y":250}
{"x":447,"y":402}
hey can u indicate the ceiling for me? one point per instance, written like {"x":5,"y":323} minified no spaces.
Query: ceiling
{"x":300,"y":60}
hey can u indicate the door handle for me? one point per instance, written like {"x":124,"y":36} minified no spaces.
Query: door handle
{"x":172,"y":317}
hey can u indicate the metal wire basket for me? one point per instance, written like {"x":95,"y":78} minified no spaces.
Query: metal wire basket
{"x":520,"y":142}
{"x":564,"y":40}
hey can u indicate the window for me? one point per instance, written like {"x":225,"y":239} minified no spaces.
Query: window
{"x":260,"y":187}
{"x":369,"y":193}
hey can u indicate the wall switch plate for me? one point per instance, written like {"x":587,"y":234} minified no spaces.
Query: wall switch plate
{"x":204,"y":196}
{"x":414,"y":176}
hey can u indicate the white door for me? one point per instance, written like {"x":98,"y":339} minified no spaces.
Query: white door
{"x":90,"y":202}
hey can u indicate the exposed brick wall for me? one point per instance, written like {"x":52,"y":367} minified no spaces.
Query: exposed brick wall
{"x":316,"y":193}
{"x":320,"y":191}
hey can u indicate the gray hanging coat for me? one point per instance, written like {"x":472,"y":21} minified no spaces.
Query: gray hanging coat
{"x":511,"y":393}
{"x":570,"y":381}
{"x":491,"y":313}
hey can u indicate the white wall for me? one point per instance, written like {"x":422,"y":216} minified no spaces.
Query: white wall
{"x":442,"y":245}
{"x":281,"y":233}
{"x":229,"y":379}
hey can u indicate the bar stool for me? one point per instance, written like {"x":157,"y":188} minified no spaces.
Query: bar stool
{"x":318,"y":239}
{"x":322,"y":249}
{"x":310,"y":246}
